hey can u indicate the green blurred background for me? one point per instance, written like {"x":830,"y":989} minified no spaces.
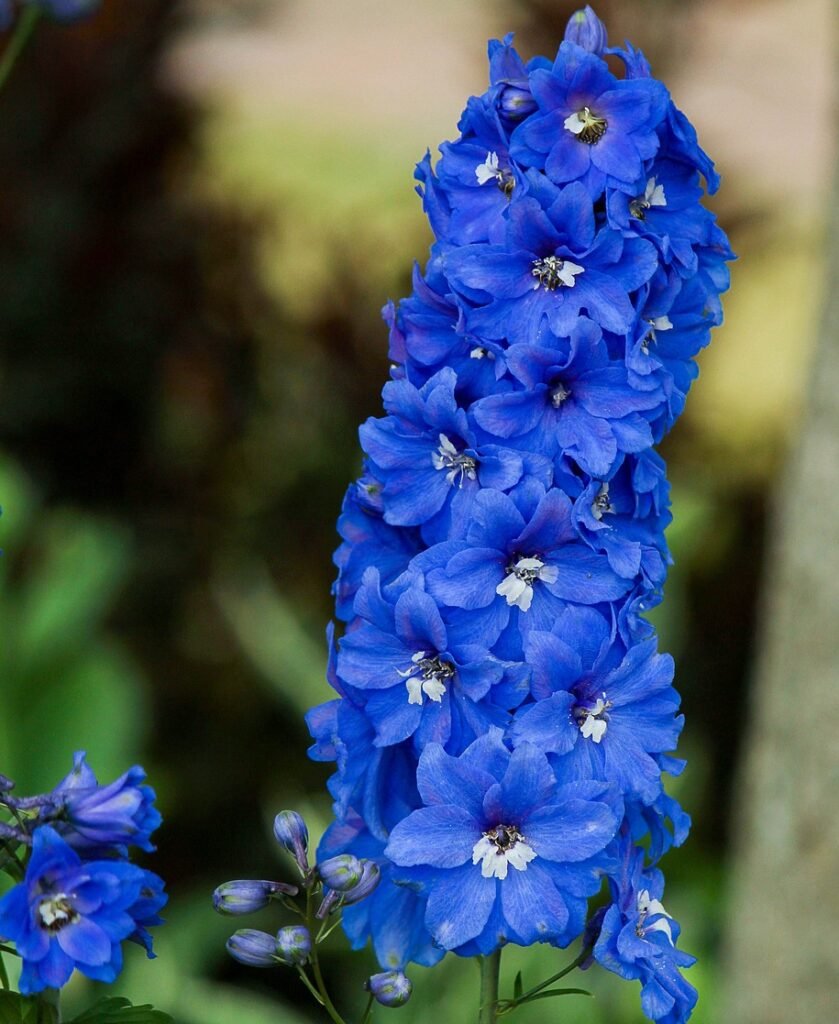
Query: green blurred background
{"x":204,"y":206}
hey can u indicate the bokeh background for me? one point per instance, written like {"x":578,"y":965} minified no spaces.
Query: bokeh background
{"x":204,"y":205}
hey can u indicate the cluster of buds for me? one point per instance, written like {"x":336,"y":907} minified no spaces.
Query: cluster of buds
{"x":324,"y":889}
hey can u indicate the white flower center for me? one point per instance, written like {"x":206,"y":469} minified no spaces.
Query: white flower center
{"x":648,"y":907}
{"x":481,"y":353}
{"x":455,"y":463}
{"x":490,"y":170}
{"x":588,"y":127}
{"x":656,"y":323}
{"x":551,"y":272}
{"x":499,"y":847}
{"x":56,"y":912}
{"x":517,"y":586}
{"x":601,"y":506}
{"x":426,"y":677}
{"x":594,"y":721}
{"x":653,"y":196}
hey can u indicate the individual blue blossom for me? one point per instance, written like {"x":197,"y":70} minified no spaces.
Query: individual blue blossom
{"x":527,"y":558}
{"x":68,"y":914}
{"x":590,"y":126}
{"x":554,"y":264}
{"x":93,"y":817}
{"x":390,"y":988}
{"x":571,"y":398}
{"x":638,"y":940}
{"x":606,"y":717}
{"x":420,"y":667}
{"x":503,"y":852}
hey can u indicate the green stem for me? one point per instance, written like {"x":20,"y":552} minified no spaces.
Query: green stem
{"x":368,"y":1010}
{"x":52,"y":997}
{"x":4,"y":976}
{"x":20,"y":37}
{"x":513,"y":1003}
{"x":490,"y":971}
{"x":328,"y":1005}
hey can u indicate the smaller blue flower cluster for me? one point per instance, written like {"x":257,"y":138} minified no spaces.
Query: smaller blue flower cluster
{"x":504,"y":718}
{"x":59,"y":10}
{"x":79,"y":897}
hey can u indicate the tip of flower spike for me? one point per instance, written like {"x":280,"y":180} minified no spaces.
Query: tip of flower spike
{"x":587,"y":30}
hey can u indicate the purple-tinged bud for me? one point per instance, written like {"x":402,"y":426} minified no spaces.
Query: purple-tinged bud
{"x":6,"y":784}
{"x":290,"y":831}
{"x":515,"y":102}
{"x":369,"y":880}
{"x":341,"y":873}
{"x":253,"y":948}
{"x":244,"y":896}
{"x":331,"y":901}
{"x":587,"y":30}
{"x":390,"y":988}
{"x":294,"y":945}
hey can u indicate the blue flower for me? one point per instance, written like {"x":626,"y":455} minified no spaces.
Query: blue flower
{"x":502,"y":851}
{"x":102,"y":818}
{"x":554,"y":263}
{"x":590,"y":126}
{"x":574,"y":400}
{"x":638,"y":941}
{"x":603,"y":717}
{"x":71,"y":914}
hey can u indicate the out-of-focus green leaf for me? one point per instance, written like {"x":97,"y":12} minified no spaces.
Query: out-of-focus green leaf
{"x":274,"y":639}
{"x":116,"y":1010}
{"x":17,"y":1009}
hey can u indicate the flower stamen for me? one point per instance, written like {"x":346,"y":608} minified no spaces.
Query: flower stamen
{"x":551,"y":272}
{"x":587,"y":126}
{"x":499,"y":847}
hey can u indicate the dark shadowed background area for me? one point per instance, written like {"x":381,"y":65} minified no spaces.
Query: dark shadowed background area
{"x":204,"y":205}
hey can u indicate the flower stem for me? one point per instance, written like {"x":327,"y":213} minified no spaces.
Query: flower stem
{"x":523,"y":998}
{"x":314,"y":962}
{"x":490,"y":971}
{"x":20,"y":37}
{"x":4,"y":974}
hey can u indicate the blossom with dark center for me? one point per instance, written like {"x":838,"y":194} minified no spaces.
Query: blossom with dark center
{"x":68,"y":914}
{"x":590,"y":126}
{"x":502,"y":850}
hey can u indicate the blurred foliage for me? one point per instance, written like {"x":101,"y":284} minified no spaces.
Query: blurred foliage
{"x":190,"y":299}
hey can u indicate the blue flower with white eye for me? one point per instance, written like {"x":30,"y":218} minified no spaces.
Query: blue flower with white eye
{"x":590,"y":126}
{"x":423,"y":671}
{"x":601,"y":713}
{"x":571,"y":398}
{"x":502,"y":851}
{"x":554,"y":264}
{"x":525,"y":557}
{"x":638,"y":940}
{"x":69,"y":914}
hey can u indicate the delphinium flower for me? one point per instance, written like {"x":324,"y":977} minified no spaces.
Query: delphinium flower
{"x":504,"y":719}
{"x":78,"y":897}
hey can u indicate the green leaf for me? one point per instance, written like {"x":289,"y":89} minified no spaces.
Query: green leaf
{"x":18,"y":1009}
{"x":557,"y":992}
{"x":116,"y":1010}
{"x":518,"y":986}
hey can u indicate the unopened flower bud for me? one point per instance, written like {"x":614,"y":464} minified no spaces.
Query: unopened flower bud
{"x":245,"y":896}
{"x":516,"y":102}
{"x":341,"y":873}
{"x":369,"y":880}
{"x":294,"y":945}
{"x":253,"y":948}
{"x":6,"y":784}
{"x":390,"y":988}
{"x":587,"y":30}
{"x":291,"y":832}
